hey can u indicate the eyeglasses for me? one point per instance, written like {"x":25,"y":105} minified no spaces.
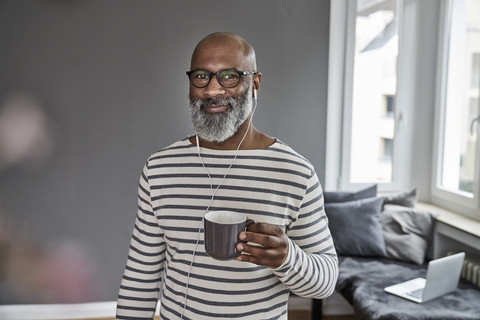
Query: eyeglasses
{"x":228,"y":78}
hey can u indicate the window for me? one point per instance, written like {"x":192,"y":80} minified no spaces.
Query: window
{"x":456,"y":179}
{"x":436,"y":70}
{"x":374,"y":78}
{"x":398,"y":118}
{"x":387,"y":150}
{"x":370,"y":131}
{"x":389,"y":106}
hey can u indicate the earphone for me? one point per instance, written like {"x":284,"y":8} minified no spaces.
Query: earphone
{"x":198,"y":143}
{"x":214,"y":192}
{"x":197,"y":140}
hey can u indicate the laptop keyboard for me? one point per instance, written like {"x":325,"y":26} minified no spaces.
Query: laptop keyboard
{"x":416,"y":293}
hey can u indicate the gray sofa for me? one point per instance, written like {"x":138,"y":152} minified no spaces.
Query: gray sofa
{"x":362,"y":280}
{"x":383,"y":240}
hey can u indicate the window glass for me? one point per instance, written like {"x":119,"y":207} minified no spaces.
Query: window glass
{"x":387,"y":149}
{"x":389,"y":106}
{"x":374,"y":91}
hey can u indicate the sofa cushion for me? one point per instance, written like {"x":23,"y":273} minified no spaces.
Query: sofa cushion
{"x":406,"y":198}
{"x":407,"y":232}
{"x":356,"y":227}
{"x":344,"y":196}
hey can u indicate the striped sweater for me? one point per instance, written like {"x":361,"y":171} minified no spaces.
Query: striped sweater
{"x":274,"y":185}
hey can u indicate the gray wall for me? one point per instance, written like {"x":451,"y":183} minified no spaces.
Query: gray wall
{"x":110,"y":76}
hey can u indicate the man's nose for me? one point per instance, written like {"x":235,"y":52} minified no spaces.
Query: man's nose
{"x":214,"y":88}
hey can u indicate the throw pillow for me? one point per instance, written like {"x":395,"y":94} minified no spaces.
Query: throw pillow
{"x":343,"y":196}
{"x":405,"y":199}
{"x":356,"y":227}
{"x":407,"y":232}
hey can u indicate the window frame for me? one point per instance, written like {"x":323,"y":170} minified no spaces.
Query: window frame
{"x":341,"y":93}
{"x":420,"y":60}
{"x":456,"y":201}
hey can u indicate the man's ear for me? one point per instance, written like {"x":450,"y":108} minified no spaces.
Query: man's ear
{"x":257,"y":79}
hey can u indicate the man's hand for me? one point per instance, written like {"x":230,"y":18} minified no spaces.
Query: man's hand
{"x":274,"y":245}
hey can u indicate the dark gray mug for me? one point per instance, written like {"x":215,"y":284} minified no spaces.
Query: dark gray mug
{"x":221,"y":233}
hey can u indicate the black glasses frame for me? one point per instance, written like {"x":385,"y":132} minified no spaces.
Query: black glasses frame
{"x":217,"y":75}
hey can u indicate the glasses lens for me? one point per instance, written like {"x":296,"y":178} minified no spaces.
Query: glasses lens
{"x":200,"y":78}
{"x":229,"y":78}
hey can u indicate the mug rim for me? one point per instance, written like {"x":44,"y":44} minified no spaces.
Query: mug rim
{"x":234,"y":213}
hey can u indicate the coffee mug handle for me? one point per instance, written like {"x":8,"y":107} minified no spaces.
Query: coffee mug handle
{"x":249,"y":222}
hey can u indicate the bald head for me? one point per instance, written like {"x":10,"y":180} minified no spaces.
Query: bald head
{"x":221,"y":45}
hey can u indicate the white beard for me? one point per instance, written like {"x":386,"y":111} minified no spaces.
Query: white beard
{"x":218,"y":127}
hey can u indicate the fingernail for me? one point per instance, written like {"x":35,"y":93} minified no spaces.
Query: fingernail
{"x":242,"y":236}
{"x":240,"y":247}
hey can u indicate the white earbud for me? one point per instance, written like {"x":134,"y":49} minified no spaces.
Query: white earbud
{"x":254,"y":94}
{"x":198,"y":144}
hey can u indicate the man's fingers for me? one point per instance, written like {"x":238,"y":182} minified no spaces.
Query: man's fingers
{"x":264,"y":234}
{"x":259,"y":252}
{"x":264,"y":240}
{"x":268,"y":245}
{"x":265,"y":228}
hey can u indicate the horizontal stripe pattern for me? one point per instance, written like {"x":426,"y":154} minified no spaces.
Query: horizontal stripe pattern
{"x":274,"y":185}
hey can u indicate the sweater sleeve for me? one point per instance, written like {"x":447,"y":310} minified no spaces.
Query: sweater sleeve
{"x":140,"y":286}
{"x":311,"y":267}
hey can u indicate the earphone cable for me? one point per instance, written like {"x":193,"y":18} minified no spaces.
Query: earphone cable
{"x":214,"y":192}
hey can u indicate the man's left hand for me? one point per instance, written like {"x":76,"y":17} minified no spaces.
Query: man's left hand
{"x":273,"y":243}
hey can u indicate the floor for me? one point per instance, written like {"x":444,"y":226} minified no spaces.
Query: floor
{"x":306,"y":315}
{"x":334,"y":308}
{"x":292,"y":315}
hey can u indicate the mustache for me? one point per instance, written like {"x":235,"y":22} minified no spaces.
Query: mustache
{"x":199,"y":102}
{"x":217,"y":101}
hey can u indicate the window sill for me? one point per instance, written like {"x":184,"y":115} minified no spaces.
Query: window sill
{"x":456,"y":220}
{"x":453,"y":232}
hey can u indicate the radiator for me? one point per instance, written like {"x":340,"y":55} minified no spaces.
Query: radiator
{"x":471,"y":269}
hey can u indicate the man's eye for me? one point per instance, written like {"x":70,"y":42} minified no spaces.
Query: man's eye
{"x":229,"y":75}
{"x":202,"y":76}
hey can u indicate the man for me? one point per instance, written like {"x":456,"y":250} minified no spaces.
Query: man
{"x":227,"y":165}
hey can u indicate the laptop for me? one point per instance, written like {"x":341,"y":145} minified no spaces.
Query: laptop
{"x":442,"y":277}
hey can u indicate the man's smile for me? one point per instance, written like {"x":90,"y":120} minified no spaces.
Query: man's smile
{"x":215,"y":108}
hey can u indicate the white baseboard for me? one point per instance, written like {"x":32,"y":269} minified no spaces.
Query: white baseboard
{"x":89,"y":310}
